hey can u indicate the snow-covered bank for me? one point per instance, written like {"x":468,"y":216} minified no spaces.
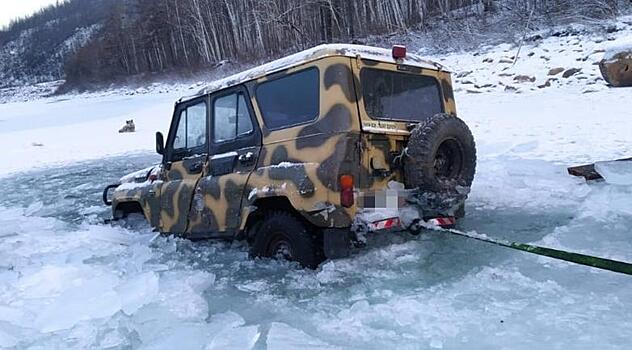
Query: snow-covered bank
{"x":557,"y":125}
{"x":545,"y":99}
{"x":55,"y":131}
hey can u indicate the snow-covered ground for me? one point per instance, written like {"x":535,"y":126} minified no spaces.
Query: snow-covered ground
{"x":61,"y":129}
{"x":68,"y":281}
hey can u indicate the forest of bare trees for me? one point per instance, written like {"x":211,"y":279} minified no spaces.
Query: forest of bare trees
{"x":150,"y":36}
{"x":157,"y":35}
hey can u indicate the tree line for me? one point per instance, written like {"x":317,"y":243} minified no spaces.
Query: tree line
{"x":148,"y":36}
{"x":156,"y":35}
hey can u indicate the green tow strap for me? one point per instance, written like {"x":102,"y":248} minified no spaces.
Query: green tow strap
{"x":587,"y":260}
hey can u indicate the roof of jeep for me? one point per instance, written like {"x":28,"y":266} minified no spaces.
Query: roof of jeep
{"x":327,"y":50}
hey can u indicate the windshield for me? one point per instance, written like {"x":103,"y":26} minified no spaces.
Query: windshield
{"x":400,"y":96}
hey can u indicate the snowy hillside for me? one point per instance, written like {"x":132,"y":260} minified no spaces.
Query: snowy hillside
{"x":69,"y":281}
{"x":34,"y":49}
{"x":569,"y":58}
{"x":16,"y":64}
{"x":553,"y":103}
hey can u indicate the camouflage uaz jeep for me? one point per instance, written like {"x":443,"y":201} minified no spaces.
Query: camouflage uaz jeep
{"x":304,"y":156}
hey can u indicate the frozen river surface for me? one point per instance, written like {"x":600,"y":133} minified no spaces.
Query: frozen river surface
{"x":69,"y":281}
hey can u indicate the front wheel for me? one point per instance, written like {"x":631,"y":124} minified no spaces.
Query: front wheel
{"x":281,"y":235}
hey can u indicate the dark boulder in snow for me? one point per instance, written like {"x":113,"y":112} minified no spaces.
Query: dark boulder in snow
{"x":570,"y":72}
{"x":556,"y":71}
{"x":547,"y":83}
{"x":616,"y":66}
{"x":523,"y":79}
{"x":464,"y":74}
{"x":510,"y":88}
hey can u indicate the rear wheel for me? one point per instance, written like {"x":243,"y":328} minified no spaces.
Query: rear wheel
{"x":281,"y":235}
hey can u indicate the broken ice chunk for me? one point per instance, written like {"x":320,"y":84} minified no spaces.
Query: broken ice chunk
{"x":235,"y":338}
{"x":7,"y":340}
{"x":227,"y":319}
{"x":282,"y":336}
{"x":88,"y":299}
{"x":616,"y":172}
{"x":138,"y":291}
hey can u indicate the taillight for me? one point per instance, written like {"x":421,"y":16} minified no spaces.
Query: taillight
{"x":346,"y":191}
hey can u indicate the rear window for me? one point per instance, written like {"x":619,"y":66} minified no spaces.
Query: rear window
{"x":400,"y":96}
{"x":291,"y":100}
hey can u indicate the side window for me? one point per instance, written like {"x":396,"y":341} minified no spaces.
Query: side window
{"x":231,"y":118}
{"x":291,"y":100}
{"x":191,"y":131}
{"x":180,"y":142}
{"x":244,"y":123}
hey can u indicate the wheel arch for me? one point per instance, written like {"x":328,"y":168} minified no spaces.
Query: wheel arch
{"x":258,"y":208}
{"x":123,"y":209}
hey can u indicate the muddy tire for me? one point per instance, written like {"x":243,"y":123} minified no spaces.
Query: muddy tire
{"x":441,"y":155}
{"x":282,"y":235}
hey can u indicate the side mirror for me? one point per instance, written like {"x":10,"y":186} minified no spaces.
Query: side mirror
{"x":160,"y":143}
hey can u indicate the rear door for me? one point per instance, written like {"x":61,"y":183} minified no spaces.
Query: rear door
{"x":235,"y":145}
{"x":392,"y":98}
{"x":186,"y":159}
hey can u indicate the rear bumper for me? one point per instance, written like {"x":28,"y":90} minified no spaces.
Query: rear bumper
{"x":338,"y":242}
{"x":399,"y":223}
{"x":429,"y":205}
{"x":397,"y":208}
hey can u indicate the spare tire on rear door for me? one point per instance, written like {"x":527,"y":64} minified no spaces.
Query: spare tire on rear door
{"x":441,"y":156}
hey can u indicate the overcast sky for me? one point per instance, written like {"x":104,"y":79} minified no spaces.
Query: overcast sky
{"x":10,"y":9}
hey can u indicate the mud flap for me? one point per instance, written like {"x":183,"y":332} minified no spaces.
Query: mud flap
{"x":336,"y":243}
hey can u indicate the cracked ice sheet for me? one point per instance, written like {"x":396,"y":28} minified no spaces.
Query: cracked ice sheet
{"x":427,"y":292}
{"x":54,"y":280}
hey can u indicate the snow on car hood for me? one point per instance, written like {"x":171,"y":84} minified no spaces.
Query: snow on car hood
{"x":140,"y":175}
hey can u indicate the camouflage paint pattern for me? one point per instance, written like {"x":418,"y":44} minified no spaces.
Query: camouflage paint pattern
{"x":146,"y":195}
{"x":177,"y":193}
{"x":302,"y":163}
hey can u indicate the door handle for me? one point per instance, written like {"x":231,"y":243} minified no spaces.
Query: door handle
{"x":196,"y":167}
{"x":246,"y":157}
